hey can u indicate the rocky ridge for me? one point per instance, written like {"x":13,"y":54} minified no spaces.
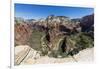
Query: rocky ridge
{"x":58,"y":36}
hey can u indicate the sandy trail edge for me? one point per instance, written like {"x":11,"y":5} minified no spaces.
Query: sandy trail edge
{"x":33,"y":57}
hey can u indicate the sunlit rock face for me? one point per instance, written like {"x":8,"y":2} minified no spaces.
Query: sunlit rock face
{"x":24,"y":54}
{"x":61,"y":25}
{"x":55,"y":27}
{"x":58,"y":32}
{"x":22,"y":33}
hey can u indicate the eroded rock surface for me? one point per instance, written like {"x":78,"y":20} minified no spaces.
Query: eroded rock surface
{"x":54,"y":36}
{"x":22,"y":33}
{"x":26,"y":55}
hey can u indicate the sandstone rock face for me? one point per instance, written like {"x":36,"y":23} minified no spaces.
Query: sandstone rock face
{"x":55,"y":36}
{"x":22,"y":33}
{"x":20,"y":53}
{"x":59,"y":27}
{"x":87,"y":22}
{"x":86,"y":55}
{"x":25,"y":54}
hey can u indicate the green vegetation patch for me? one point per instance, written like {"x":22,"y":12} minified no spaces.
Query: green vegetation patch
{"x":35,"y":40}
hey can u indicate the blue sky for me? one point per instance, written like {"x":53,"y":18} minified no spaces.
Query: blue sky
{"x":31,"y":11}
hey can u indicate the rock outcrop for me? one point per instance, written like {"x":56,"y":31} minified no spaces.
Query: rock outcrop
{"x":56,"y":35}
{"x":26,"y":55}
{"x":22,"y":33}
{"x":87,"y":23}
